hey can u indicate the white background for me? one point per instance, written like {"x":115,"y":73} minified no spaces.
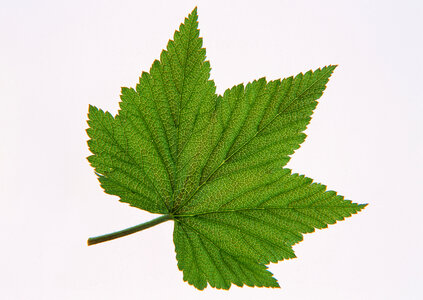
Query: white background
{"x":365,"y":141}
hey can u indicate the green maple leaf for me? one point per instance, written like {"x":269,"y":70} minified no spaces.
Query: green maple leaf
{"x":215,"y":164}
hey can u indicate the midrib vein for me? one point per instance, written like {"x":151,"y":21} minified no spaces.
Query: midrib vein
{"x":265,"y":209}
{"x":249,"y":140}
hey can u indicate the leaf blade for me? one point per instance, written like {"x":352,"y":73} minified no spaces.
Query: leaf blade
{"x":182,"y":96}
{"x":120,"y":173}
{"x":215,"y":163}
{"x":264,"y":223}
{"x":202,"y":263}
{"x":266,"y":116}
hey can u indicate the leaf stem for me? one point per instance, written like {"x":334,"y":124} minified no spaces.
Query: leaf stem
{"x":128,"y":231}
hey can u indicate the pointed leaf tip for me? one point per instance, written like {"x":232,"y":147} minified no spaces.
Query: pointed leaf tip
{"x":193,"y":14}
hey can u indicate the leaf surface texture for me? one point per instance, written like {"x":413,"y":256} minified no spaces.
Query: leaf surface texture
{"x":216,"y":163}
